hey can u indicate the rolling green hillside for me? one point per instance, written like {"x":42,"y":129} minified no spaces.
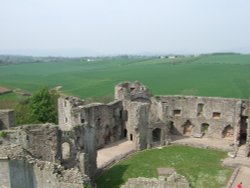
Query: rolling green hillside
{"x":225,"y":75}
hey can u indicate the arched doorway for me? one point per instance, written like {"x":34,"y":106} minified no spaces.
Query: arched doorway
{"x":65,"y":150}
{"x":172,"y":129}
{"x":156,"y":135}
{"x":204,"y":128}
{"x":228,"y":132}
{"x":187,"y":128}
{"x":125,"y":133}
{"x":131,"y":137}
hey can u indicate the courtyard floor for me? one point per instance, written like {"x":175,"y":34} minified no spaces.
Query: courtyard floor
{"x":118,"y":150}
{"x":114,"y":152}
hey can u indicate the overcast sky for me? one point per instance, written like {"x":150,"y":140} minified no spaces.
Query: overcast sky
{"x":111,"y":27}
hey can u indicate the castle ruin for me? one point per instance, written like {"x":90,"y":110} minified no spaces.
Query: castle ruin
{"x":48,"y":153}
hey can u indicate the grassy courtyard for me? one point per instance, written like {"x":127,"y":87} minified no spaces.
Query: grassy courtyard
{"x":202,"y":167}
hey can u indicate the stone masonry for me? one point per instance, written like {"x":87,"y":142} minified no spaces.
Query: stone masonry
{"x":135,"y":115}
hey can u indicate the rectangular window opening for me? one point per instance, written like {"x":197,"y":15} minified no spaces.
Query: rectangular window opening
{"x":216,"y":115}
{"x":177,"y":112}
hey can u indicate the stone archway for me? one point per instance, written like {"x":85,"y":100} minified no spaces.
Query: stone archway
{"x":66,"y":150}
{"x":228,"y":132}
{"x":156,"y":134}
{"x":187,"y":128}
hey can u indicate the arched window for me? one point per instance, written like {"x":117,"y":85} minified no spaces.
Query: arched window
{"x":204,"y":128}
{"x":228,"y":132}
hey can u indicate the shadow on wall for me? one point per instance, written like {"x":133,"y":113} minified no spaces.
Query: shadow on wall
{"x":116,"y":174}
{"x":1,"y":125}
{"x":173,"y":129}
{"x":22,"y":174}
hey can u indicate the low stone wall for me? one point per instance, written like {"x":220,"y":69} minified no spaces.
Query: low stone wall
{"x":233,"y":177}
{"x":174,"y":181}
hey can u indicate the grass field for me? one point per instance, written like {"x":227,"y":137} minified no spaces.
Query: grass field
{"x":202,"y":167}
{"x":211,"y":75}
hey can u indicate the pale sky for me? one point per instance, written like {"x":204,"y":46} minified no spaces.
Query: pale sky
{"x":112,"y":27}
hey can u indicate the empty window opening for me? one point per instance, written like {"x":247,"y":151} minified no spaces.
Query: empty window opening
{"x":187,"y":128}
{"x":66,"y":120}
{"x":98,"y":122}
{"x":200,"y":109}
{"x":204,"y":128}
{"x":65,"y":103}
{"x":65,"y":150}
{"x":125,"y":133}
{"x":156,"y":135}
{"x":132,"y":89}
{"x":131,"y":137}
{"x":120,"y":114}
{"x":228,"y":132}
{"x":177,"y":112}
{"x":216,"y":115}
{"x":82,"y":120}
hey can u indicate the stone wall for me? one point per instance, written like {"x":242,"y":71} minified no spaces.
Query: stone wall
{"x":43,"y":141}
{"x":107,"y":119}
{"x":7,"y":119}
{"x":65,"y":107}
{"x":34,"y":174}
{"x":131,"y":91}
{"x":4,"y":173}
{"x":137,"y":125}
{"x":189,"y":115}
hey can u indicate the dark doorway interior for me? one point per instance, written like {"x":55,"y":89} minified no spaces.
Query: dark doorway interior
{"x":204,"y":128}
{"x":243,"y":130}
{"x":131,"y":137}
{"x":156,"y":135}
{"x":1,"y":125}
{"x":125,"y":133}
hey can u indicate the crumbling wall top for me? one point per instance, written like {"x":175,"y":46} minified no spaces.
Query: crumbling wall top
{"x":131,"y":91}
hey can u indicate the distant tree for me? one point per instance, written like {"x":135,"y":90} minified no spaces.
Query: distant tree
{"x":43,"y":106}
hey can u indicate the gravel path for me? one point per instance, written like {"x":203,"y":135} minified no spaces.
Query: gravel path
{"x":114,"y":152}
{"x":244,"y":177}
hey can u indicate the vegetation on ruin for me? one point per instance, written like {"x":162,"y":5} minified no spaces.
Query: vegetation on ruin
{"x":202,"y":167}
{"x":3,"y":134}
